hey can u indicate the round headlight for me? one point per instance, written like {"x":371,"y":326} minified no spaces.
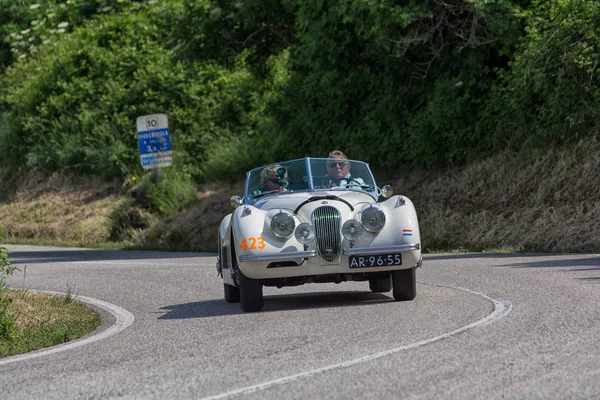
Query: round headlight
{"x":282,"y":225}
{"x":352,"y":229}
{"x":373,"y":219}
{"x":305,"y":233}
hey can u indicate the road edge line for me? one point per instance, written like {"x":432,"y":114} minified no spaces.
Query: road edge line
{"x":123,"y":320}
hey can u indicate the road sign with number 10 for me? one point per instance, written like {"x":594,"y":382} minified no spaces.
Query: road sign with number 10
{"x":154,"y":141}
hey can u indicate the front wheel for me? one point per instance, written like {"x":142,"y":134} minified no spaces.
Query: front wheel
{"x":405,"y":284}
{"x":251,"y":296}
{"x":232,"y":293}
{"x":380,"y":285}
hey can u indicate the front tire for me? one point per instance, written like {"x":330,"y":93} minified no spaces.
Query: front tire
{"x":380,"y":285}
{"x":405,"y":284}
{"x":232,"y":293}
{"x":251,"y":296}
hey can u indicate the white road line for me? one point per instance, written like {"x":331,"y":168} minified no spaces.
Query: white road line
{"x":123,"y":319}
{"x":148,"y":264}
{"x":501,"y":309}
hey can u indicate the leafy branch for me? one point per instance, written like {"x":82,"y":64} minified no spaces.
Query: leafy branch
{"x":6,"y":268}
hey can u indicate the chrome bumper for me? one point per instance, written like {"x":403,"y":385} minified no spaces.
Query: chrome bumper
{"x":367,"y":251}
{"x":285,"y":256}
{"x":364,"y":251}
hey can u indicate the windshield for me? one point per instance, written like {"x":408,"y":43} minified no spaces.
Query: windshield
{"x":309,"y":174}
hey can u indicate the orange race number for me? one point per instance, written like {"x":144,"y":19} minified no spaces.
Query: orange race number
{"x":253,"y":243}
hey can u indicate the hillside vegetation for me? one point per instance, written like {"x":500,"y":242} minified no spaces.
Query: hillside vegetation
{"x":485,"y":113}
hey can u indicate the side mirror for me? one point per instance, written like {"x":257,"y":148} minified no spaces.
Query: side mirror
{"x":235,"y":201}
{"x":386,"y":191}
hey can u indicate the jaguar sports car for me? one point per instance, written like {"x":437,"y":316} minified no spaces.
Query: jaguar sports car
{"x":314,"y":220}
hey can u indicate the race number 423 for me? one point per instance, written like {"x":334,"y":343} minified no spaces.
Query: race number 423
{"x":252,"y":243}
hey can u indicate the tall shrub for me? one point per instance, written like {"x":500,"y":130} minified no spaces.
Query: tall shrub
{"x":73,"y":107}
{"x":390,"y":82}
{"x":551,"y":94}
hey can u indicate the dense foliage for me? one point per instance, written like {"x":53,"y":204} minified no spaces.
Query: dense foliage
{"x":551,"y":93}
{"x":392,"y":82}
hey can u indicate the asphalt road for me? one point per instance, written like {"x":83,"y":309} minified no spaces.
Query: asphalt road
{"x":482,"y":326}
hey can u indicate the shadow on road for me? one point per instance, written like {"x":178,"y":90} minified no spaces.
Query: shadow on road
{"x":462,"y":256}
{"x":593,"y":263}
{"x":218,"y":307}
{"x":78,"y":255}
{"x":574,"y":263}
{"x":558,"y":262}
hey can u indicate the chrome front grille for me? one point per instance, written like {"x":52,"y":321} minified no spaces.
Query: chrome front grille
{"x":326,"y":221}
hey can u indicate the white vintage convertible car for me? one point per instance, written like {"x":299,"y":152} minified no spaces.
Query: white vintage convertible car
{"x":298,"y":224}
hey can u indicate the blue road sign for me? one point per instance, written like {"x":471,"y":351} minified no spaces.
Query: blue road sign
{"x":154,"y":141}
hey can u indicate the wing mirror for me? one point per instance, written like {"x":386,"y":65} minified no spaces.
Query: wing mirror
{"x":235,"y":201}
{"x":386,"y":191}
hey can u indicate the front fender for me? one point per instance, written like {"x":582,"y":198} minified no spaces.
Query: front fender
{"x":251,"y":229}
{"x":401,"y":226}
{"x":225,"y":230}
{"x":253,"y":238}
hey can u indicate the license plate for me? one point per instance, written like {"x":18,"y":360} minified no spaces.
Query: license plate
{"x":379,"y":260}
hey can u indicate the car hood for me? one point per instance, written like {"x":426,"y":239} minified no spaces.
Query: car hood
{"x":289,"y":201}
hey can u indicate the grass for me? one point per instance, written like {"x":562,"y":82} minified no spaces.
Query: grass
{"x":56,"y":210}
{"x":42,"y":320}
{"x":550,"y":203}
{"x":509,"y":202}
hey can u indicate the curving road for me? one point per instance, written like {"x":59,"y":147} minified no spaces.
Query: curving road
{"x":482,"y":326}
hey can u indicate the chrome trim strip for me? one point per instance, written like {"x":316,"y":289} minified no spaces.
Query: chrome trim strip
{"x":381,"y":249}
{"x":285,"y":256}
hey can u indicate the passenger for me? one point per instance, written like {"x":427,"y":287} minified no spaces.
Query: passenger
{"x":273,"y":179}
{"x":338,"y":168}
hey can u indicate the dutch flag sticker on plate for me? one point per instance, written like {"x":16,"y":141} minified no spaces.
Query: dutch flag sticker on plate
{"x":406,"y":232}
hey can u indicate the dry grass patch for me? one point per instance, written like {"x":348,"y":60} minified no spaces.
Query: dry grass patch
{"x":550,"y":203}
{"x":61,"y":210}
{"x":42,"y":320}
{"x":521,"y":202}
{"x":196,"y":227}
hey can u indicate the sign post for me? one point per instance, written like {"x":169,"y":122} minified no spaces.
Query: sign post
{"x":154,"y":141}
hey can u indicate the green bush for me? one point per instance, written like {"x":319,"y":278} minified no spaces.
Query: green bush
{"x":551,"y":94}
{"x":6,"y":268}
{"x":26,"y":25}
{"x":154,"y":194}
{"x":73,"y":107}
{"x":391,"y":83}
{"x":7,"y":321}
{"x":394,"y":83}
{"x":164,"y":192}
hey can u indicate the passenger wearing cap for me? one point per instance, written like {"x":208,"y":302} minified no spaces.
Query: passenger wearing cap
{"x":272,"y":179}
{"x":338,"y":168}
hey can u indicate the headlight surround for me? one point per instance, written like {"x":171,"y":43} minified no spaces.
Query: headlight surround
{"x":373,"y":219}
{"x":352,"y":229}
{"x":305,"y":233}
{"x":282,"y":225}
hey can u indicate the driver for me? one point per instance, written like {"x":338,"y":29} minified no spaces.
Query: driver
{"x":272,"y":179}
{"x":338,"y":168}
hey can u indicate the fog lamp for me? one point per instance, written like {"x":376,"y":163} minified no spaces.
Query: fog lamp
{"x":305,"y":233}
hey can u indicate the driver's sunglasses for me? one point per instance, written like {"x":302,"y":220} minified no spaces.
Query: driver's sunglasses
{"x":333,"y":164}
{"x":275,"y":181}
